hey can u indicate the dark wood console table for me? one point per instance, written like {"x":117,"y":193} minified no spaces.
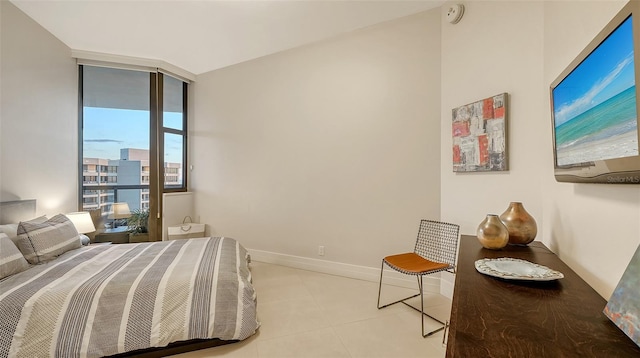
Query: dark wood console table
{"x":493,"y":317}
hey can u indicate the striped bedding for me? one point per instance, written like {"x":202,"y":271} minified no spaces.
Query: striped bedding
{"x":107,"y":299}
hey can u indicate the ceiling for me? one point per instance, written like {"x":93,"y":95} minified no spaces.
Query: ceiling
{"x":200,"y":36}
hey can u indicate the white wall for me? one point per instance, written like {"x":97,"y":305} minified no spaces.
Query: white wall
{"x":495,"y":48}
{"x":594,"y":228}
{"x":335,"y":143}
{"x":39,"y":115}
{"x":519,"y":48}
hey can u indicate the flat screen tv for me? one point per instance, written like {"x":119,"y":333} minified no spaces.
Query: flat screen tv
{"x":594,"y":107}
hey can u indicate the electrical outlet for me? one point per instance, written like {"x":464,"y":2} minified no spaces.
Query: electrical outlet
{"x":320,"y":250}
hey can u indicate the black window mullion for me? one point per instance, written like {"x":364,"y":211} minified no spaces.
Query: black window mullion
{"x":183,"y":134}
{"x":155,"y":170}
{"x":173,"y":131}
{"x":185,"y":101}
{"x":80,"y":138}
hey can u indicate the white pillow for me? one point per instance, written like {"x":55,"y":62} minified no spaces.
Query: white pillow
{"x":11,"y":259}
{"x":10,"y":230}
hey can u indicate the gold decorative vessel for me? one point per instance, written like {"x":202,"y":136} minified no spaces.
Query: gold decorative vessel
{"x":522,"y":226}
{"x":492,"y":233}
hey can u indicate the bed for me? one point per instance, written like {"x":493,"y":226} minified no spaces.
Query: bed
{"x":104,"y":300}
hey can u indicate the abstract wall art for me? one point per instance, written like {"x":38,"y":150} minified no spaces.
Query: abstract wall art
{"x":480,"y":135}
{"x":623,"y":307}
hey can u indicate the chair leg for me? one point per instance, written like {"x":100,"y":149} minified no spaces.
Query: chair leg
{"x":380,"y":290}
{"x":380,"y":286}
{"x":421,"y":310}
{"x":421,"y":304}
{"x":423,"y":313}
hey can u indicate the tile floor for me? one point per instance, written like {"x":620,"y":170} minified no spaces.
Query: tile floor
{"x":309,"y":314}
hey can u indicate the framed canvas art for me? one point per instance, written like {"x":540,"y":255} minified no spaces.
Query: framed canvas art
{"x":623,"y":307}
{"x":480,"y":135}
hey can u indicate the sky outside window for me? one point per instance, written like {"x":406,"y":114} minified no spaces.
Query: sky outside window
{"x":603,"y":74}
{"x":107,"y":130}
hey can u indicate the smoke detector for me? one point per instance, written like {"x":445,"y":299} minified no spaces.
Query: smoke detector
{"x":454,"y":13}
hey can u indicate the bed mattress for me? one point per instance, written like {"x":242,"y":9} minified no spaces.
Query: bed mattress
{"x":108,"y":299}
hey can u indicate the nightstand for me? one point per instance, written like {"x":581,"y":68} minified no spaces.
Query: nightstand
{"x":119,"y":235}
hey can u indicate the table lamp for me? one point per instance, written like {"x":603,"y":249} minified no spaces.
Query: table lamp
{"x":119,"y":211}
{"x":83,"y":223}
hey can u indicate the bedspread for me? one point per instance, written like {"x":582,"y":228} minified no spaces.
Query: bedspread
{"x":107,"y":299}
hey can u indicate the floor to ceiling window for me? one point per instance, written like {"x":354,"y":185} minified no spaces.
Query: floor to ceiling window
{"x":173,"y":131}
{"x":133,"y":142}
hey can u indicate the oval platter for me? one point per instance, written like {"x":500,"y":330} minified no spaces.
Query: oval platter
{"x":516,"y":269}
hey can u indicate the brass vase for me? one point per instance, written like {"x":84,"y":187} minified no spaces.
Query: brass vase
{"x":522,"y":226}
{"x":492,"y":233}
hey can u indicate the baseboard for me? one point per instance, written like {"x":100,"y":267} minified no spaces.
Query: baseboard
{"x":431,"y":283}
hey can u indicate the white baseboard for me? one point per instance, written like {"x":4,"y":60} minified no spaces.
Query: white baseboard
{"x":431,"y":283}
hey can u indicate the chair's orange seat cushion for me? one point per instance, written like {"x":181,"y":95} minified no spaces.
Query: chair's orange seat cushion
{"x":412,"y":262}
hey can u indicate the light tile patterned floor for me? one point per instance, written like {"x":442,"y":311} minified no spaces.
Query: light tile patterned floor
{"x":309,"y":314}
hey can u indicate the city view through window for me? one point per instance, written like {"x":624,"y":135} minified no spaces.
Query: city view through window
{"x":116,"y":132}
{"x":130,"y":169}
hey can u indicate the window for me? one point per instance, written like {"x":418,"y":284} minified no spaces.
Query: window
{"x":174,"y":119}
{"x":116,"y":122}
{"x":129,"y":119}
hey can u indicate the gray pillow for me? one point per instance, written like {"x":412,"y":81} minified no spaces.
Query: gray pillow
{"x":11,"y":230}
{"x":11,"y":259}
{"x":42,"y":242}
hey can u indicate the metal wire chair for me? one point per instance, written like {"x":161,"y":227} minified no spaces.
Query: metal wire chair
{"x":435,"y":251}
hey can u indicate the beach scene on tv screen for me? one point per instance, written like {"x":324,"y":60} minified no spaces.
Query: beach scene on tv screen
{"x":595,"y":105}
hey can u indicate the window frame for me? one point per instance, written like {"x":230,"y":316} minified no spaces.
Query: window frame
{"x":162,"y":130}
{"x":156,"y":150}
